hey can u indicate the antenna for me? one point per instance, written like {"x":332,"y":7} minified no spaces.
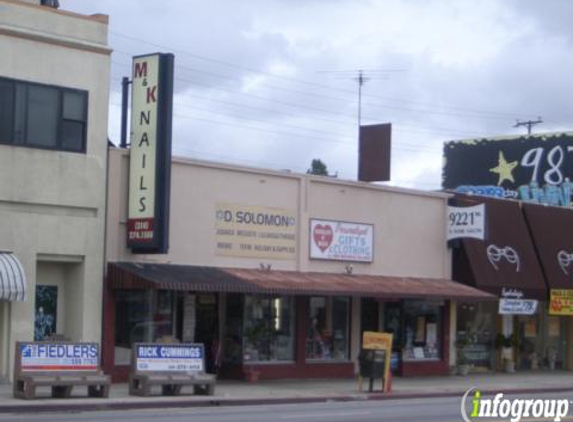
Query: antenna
{"x":362,"y":76}
{"x":358,"y":76}
{"x":529,"y":124}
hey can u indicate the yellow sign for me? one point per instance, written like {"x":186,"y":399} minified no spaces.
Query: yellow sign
{"x":373,"y":340}
{"x":255,"y":232}
{"x":561,"y":302}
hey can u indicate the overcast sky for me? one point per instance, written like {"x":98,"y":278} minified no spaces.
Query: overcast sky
{"x":271,"y":83}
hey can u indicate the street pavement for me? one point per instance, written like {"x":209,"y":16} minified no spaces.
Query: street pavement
{"x":235,"y":393}
{"x":437,"y":409}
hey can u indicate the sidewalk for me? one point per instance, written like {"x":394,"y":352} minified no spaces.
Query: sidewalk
{"x":295,"y":391}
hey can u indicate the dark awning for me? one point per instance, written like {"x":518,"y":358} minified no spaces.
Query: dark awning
{"x":13,"y":285}
{"x":506,"y":259}
{"x":129,"y":275}
{"x":552,"y":232}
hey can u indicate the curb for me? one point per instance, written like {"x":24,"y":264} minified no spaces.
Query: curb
{"x":215,"y":402}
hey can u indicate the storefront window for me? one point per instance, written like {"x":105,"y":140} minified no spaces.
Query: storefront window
{"x":476,"y":332}
{"x":541,"y":340}
{"x":269,"y":329}
{"x":328,"y":328}
{"x":423,"y":330}
{"x":141,"y":316}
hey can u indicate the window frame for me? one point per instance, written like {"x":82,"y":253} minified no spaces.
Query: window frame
{"x":61,"y":91}
{"x":329,"y":321}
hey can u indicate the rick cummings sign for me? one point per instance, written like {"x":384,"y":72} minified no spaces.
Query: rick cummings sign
{"x":341,"y":241}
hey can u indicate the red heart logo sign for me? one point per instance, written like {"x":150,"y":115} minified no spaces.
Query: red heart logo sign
{"x":322,"y":236}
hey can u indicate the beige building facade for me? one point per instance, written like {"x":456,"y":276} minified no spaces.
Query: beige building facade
{"x":54,"y":83}
{"x":289,"y":269}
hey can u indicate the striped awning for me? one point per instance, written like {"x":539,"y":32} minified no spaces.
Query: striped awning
{"x":13,"y":285}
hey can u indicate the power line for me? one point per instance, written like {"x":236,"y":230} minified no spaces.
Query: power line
{"x":299,"y":106}
{"x":404,"y":146}
{"x":295,"y":80}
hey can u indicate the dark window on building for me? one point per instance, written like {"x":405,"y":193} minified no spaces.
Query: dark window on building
{"x":42,"y":116}
{"x":328,"y":330}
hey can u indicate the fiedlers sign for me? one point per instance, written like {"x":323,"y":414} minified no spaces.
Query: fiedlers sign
{"x":150,"y":155}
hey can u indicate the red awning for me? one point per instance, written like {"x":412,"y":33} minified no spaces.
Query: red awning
{"x":129,"y":275}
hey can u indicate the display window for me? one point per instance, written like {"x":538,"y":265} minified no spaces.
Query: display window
{"x":541,"y":340}
{"x":141,"y":316}
{"x":268,"y":333}
{"x":476,"y":333}
{"x":327,"y":336}
{"x":423,"y":327}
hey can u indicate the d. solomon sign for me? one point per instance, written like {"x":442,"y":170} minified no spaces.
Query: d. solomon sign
{"x":150,"y":155}
{"x":255,"y":232}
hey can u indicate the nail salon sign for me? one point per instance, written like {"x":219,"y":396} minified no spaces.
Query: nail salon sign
{"x":341,"y":241}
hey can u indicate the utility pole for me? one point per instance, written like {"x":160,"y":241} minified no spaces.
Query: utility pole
{"x":529,"y":124}
{"x":125,"y":82}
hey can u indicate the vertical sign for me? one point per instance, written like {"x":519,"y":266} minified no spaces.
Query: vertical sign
{"x":150,"y":154}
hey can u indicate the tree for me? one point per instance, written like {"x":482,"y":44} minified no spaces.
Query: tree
{"x":317,"y":167}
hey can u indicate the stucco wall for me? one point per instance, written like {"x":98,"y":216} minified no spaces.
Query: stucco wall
{"x":409,"y":226}
{"x":52,"y":204}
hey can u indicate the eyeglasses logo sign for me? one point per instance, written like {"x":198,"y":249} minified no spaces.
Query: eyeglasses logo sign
{"x":495,"y":254}
{"x":565,"y":259}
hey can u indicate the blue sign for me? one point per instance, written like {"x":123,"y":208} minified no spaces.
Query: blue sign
{"x":170,"y":357}
{"x":57,"y":357}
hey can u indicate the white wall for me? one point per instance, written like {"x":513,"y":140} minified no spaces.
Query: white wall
{"x":52,"y":204}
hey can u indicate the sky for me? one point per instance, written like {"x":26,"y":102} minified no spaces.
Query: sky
{"x":273,"y":83}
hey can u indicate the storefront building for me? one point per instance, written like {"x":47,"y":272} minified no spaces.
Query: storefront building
{"x":54,"y":78}
{"x":517,"y":261}
{"x":278,"y":274}
{"x":551,"y":229}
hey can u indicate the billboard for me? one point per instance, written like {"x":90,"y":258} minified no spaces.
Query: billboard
{"x":535,"y":168}
{"x":150,"y":153}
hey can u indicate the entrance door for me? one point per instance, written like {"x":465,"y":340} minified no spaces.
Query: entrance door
{"x":369,"y":316}
{"x":207,"y":328}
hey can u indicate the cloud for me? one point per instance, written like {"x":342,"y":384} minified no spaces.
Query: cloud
{"x":250,"y":86}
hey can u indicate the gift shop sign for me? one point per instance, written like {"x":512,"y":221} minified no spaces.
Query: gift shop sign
{"x":249,"y":231}
{"x":341,"y":241}
{"x":181,"y":357}
{"x":150,"y":153}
